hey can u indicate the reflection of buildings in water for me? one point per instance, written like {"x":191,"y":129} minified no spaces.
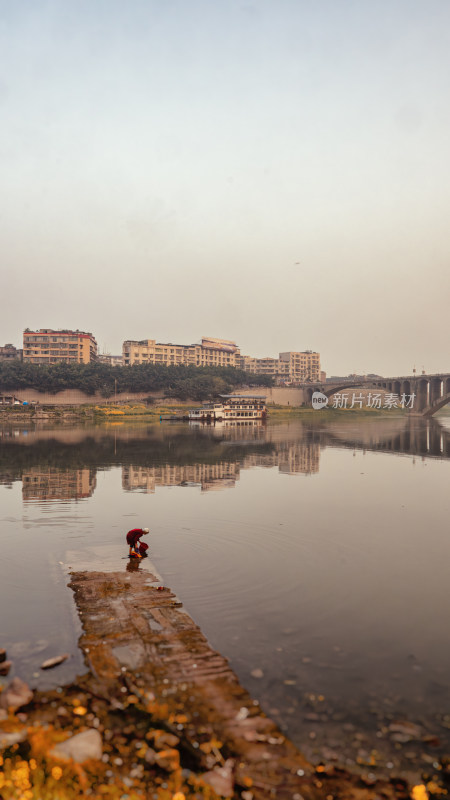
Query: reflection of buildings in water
{"x":210,"y":476}
{"x":292,"y":459}
{"x":301,"y":458}
{"x":51,"y":483}
{"x":298,"y":458}
{"x":293,"y":448}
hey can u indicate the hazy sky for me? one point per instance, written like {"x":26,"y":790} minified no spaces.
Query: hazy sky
{"x":270,"y":171}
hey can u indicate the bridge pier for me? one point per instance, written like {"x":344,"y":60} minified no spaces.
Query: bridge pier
{"x":436,"y":390}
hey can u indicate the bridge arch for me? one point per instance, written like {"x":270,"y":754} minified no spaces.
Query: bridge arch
{"x":344,"y":386}
{"x":405,"y":387}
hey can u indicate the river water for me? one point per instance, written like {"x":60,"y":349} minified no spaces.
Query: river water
{"x":313,"y":554}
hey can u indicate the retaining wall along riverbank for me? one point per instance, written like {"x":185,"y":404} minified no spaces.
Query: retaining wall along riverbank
{"x":279,"y":395}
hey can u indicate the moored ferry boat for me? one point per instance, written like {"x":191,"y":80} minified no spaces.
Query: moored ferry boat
{"x":232,"y":407}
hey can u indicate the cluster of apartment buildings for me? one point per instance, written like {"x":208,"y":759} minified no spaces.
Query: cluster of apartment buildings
{"x":290,"y":367}
{"x":47,"y":346}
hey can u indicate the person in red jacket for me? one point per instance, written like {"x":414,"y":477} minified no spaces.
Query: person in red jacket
{"x":137,"y":548}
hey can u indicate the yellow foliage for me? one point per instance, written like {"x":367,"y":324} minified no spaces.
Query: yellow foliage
{"x":419,"y":792}
{"x":181,"y":719}
{"x":80,"y":711}
{"x":435,"y":789}
{"x":170,"y":757}
{"x":43,"y":739}
{"x":213,"y":744}
{"x":132,"y":699}
{"x":56,"y":773}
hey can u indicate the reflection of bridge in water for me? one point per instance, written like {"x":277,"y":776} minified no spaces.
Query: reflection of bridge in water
{"x":407,"y":436}
{"x":406,"y":433}
{"x":430,"y":392}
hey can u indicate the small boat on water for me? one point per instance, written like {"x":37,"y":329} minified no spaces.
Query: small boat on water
{"x":231,"y":407}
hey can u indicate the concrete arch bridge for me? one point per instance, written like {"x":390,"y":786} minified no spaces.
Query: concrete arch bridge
{"x":429,"y":392}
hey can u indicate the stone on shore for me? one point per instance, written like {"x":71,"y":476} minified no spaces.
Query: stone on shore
{"x":221,"y":779}
{"x":2,"y":654}
{"x":404,"y":731}
{"x":9,"y":739}
{"x":81,"y":747}
{"x":5,"y":666}
{"x":257,"y":673}
{"x":16,"y":695}
{"x":53,"y":662}
{"x":164,"y":740}
{"x":168,"y":759}
{"x":150,"y":755}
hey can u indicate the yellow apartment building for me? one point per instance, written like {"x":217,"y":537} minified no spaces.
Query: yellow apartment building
{"x":303,"y":366}
{"x":47,"y":346}
{"x":267,"y":366}
{"x":247,"y":363}
{"x":209,"y":353}
{"x":290,"y":367}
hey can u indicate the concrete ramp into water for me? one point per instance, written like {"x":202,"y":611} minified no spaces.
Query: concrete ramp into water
{"x":137,"y":633}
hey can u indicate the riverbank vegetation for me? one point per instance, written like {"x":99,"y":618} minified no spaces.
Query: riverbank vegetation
{"x":122,"y":411}
{"x":178,"y":382}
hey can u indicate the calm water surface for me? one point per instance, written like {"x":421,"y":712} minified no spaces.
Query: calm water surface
{"x":315,"y":554}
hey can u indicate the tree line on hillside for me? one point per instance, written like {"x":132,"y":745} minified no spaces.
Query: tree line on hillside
{"x":178,"y":382}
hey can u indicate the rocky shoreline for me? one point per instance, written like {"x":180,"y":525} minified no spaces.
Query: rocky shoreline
{"x":158,"y":714}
